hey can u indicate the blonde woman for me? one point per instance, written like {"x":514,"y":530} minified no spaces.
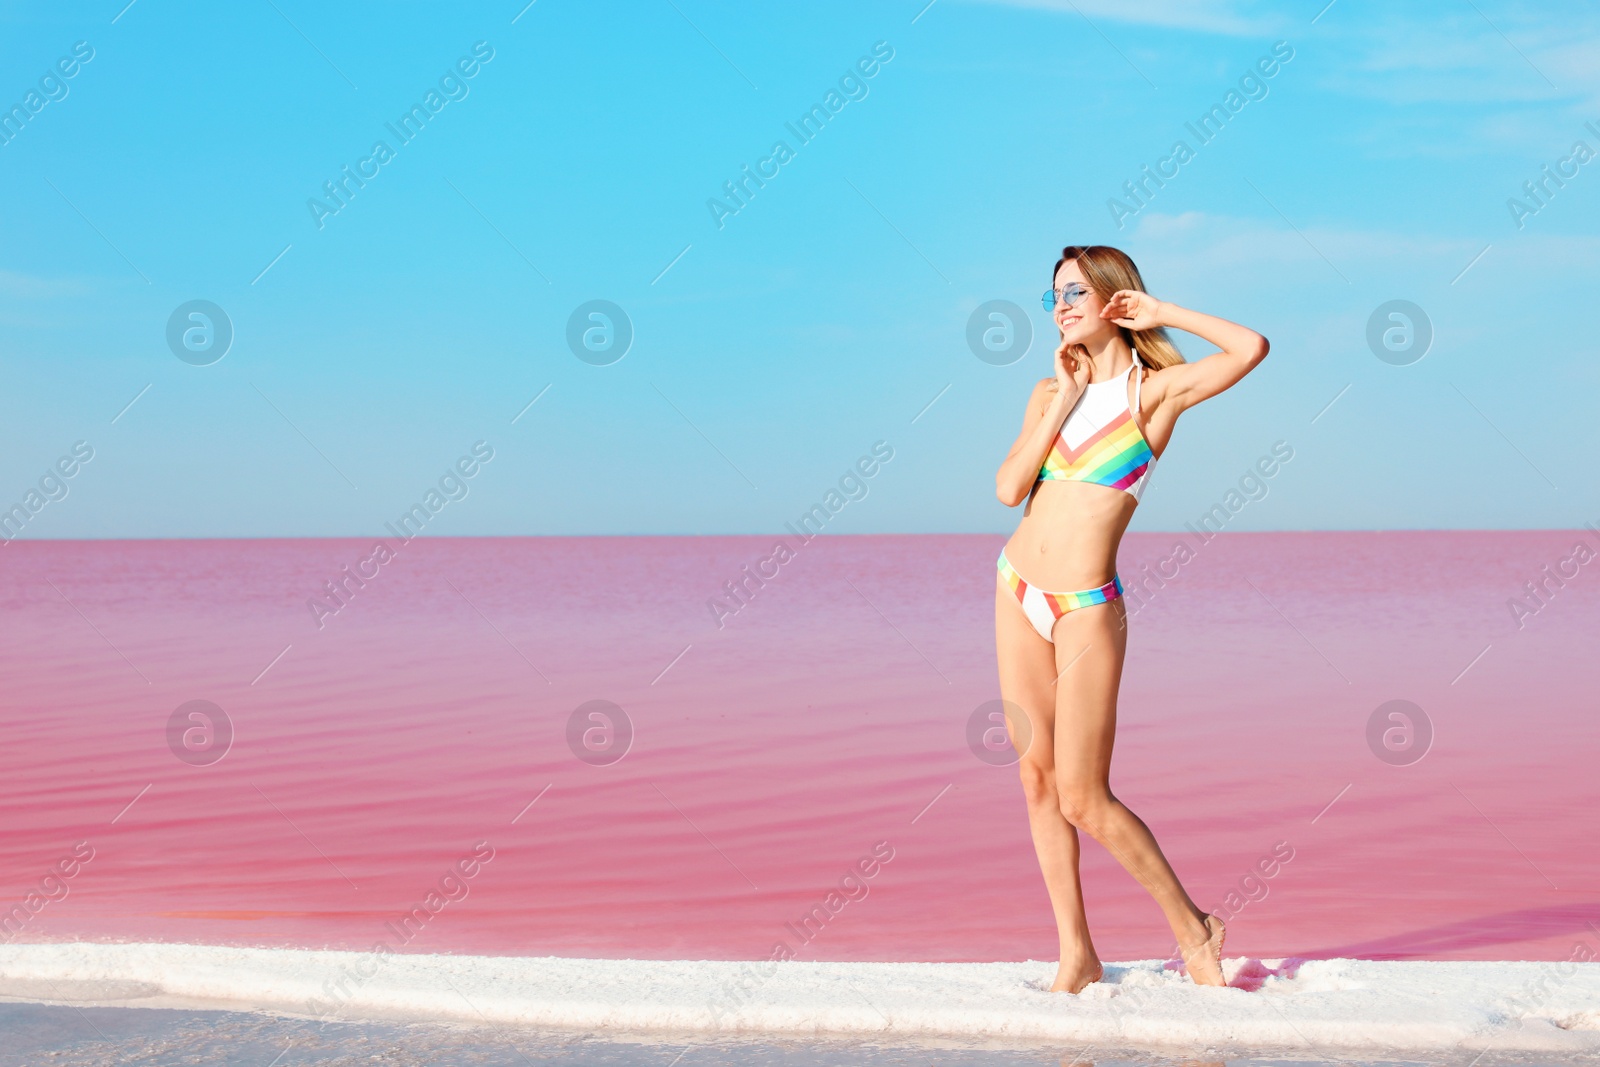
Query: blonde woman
{"x":1090,"y":439}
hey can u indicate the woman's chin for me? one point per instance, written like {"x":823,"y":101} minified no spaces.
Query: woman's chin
{"x":1078,"y":335}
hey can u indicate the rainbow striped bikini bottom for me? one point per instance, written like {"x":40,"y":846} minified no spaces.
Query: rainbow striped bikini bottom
{"x":1043,"y":607}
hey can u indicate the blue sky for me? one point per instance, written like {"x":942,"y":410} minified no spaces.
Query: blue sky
{"x":769,"y":353}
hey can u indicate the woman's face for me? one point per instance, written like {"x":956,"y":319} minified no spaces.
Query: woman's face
{"x":1082,"y":321}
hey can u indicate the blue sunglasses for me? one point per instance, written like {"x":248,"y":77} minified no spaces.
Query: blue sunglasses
{"x":1070,"y":296}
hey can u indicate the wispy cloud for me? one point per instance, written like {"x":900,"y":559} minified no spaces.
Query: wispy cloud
{"x":1467,"y":58}
{"x":1214,"y":240}
{"x":1231,"y":18}
{"x":1515,"y":57}
{"x":29,"y":287}
{"x":1516,"y":85}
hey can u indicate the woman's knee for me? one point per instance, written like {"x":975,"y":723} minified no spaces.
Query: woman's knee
{"x":1083,"y":804}
{"x":1038,"y":783}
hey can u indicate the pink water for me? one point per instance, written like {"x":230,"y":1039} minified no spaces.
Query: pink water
{"x":777,"y":750}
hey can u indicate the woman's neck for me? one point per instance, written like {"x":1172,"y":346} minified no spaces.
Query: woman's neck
{"x":1108,"y":357}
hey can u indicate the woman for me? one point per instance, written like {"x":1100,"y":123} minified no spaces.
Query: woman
{"x":1089,"y":440}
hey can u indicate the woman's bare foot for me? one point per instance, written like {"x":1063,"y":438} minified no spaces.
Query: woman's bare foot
{"x":1204,"y":960}
{"x":1074,"y":975}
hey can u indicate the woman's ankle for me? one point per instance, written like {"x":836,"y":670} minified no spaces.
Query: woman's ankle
{"x":1194,"y":930}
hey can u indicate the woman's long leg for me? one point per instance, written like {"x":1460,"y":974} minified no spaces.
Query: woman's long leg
{"x":1089,"y":645}
{"x":1027,"y":671}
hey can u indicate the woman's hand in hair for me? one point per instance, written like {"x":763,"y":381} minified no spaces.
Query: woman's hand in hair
{"x":1133,"y":310}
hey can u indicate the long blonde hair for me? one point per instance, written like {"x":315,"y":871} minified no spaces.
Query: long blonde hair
{"x":1107,"y":270}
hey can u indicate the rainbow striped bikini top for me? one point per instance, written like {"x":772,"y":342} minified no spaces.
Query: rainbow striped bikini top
{"x":1099,"y":441}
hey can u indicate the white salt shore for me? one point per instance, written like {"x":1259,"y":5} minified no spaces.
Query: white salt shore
{"x":1311,"y":1006}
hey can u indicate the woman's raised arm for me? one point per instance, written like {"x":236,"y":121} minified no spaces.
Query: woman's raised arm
{"x":1189,"y":383}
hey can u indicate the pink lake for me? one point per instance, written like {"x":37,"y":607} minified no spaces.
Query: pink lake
{"x":770,"y":755}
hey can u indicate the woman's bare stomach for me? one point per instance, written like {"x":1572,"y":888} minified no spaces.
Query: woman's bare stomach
{"x":1069,"y":534}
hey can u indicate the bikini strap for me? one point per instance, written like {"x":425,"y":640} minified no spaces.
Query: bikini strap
{"x":1138,"y":380}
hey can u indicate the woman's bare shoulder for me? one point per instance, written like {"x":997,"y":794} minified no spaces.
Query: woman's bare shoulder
{"x":1039,"y":399}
